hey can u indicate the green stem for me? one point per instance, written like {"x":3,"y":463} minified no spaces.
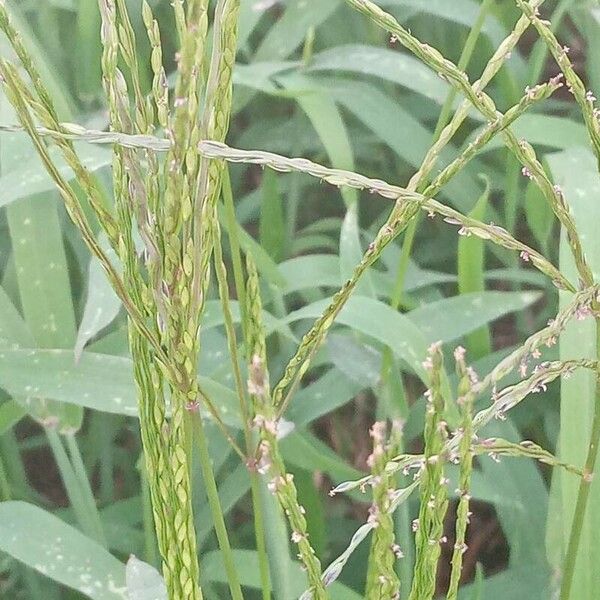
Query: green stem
{"x":150,"y":549}
{"x":72,"y":485}
{"x":259,"y":531}
{"x":85,"y":488}
{"x":584,"y":491}
{"x":212,"y":495}
{"x":540,"y":50}
{"x":240,"y":287}
{"x":234,"y":242}
{"x":443,"y":120}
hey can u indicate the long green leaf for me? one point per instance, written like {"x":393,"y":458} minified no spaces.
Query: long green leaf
{"x":97,"y":381}
{"x":576,"y":172}
{"x":51,"y":547}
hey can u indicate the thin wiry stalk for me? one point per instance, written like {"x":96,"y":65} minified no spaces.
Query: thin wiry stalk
{"x":214,"y":502}
{"x":491,"y":69}
{"x":335,"y":177}
{"x":400,"y":216}
{"x":160,"y":85}
{"x":255,"y":483}
{"x":526,"y":449}
{"x":130,"y":196}
{"x":270,"y":463}
{"x":503,"y":401}
{"x":221,"y":272}
{"x":579,"y":308}
{"x":591,"y":113}
{"x":215,"y":123}
{"x":418,"y":181}
{"x":255,"y":341}
{"x":584,"y":98}
{"x":522,"y":150}
{"x":14,"y":91}
{"x":170,"y":501}
{"x":46,"y":113}
{"x":333,"y":571}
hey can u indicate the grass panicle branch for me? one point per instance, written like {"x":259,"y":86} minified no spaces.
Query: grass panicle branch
{"x":503,"y":401}
{"x":429,"y":527}
{"x":270,"y":462}
{"x":382,"y":581}
{"x":491,"y":69}
{"x":591,"y":113}
{"x":521,"y":149}
{"x":584,"y":97}
{"x":40,"y":102}
{"x":526,"y":449}
{"x":333,"y":571}
{"x":465,"y":398}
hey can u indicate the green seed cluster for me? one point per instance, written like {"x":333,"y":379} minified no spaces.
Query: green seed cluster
{"x":382,"y":581}
{"x":429,"y":527}
{"x":465,"y":399}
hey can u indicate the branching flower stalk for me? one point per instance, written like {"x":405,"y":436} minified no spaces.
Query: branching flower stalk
{"x":583,"y":97}
{"x":270,"y":463}
{"x":492,"y":67}
{"x":127,"y":192}
{"x":164,"y":289}
{"x":444,"y":132}
{"x":250,"y":442}
{"x":591,"y":115}
{"x":215,"y":122}
{"x":465,"y":438}
{"x":525,"y":449}
{"x":579,"y":308}
{"x":17,"y":93}
{"x":503,"y":401}
{"x":399,"y":218}
{"x":164,"y":333}
{"x":47,"y":115}
{"x":522,"y":150}
{"x":336,"y":177}
{"x":170,"y":473}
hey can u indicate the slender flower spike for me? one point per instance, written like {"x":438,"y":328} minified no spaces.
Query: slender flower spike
{"x":433,"y":493}
{"x":382,"y":580}
{"x":465,"y":451}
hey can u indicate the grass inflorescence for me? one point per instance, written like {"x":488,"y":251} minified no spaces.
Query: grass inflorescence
{"x":169,"y":176}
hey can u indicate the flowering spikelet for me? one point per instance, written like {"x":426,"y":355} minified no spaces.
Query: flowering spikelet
{"x":382,"y":581}
{"x":433,"y":492}
{"x":465,"y":454}
{"x":270,"y":463}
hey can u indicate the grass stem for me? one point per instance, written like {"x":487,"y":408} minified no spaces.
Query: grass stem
{"x":584,"y":491}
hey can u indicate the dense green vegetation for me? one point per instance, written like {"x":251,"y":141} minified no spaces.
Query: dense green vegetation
{"x":261,"y":374}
